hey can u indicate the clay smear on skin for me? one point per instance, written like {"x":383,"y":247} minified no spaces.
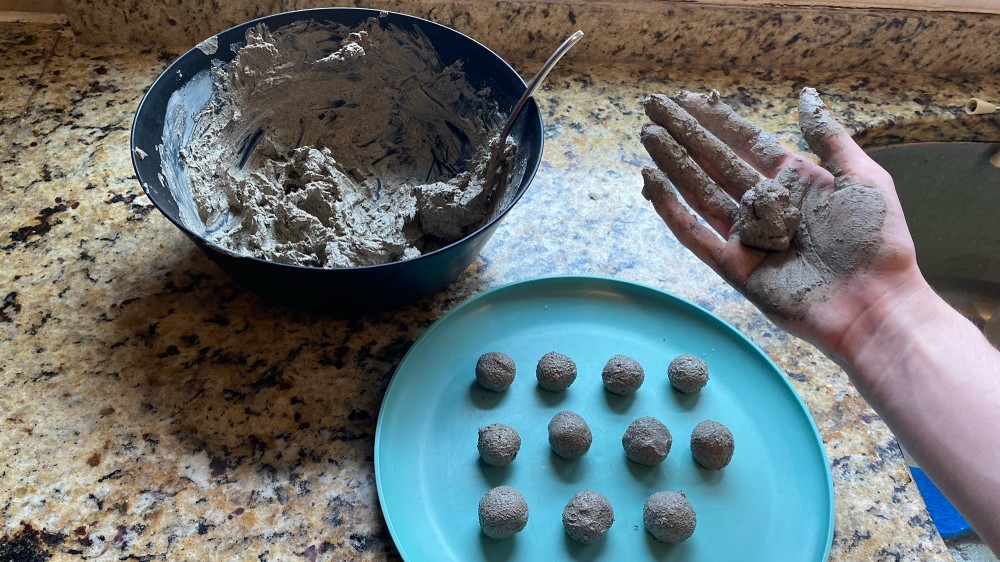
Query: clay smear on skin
{"x":817,"y":125}
{"x":840,"y":231}
{"x":733,"y":129}
{"x":766,"y":218}
{"x":336,"y":147}
{"x":705,"y":195}
{"x":717,"y":159}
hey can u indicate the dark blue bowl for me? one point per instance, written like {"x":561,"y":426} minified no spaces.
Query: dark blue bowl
{"x":357,"y":290}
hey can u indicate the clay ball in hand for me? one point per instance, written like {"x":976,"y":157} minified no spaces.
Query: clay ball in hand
{"x":622,"y":375}
{"x":498,"y":444}
{"x":669,"y":517}
{"x":687,"y":373}
{"x":503,"y":512}
{"x":647,"y":441}
{"x":495,"y":371}
{"x":712,"y":444}
{"x":588,"y":516}
{"x":569,"y":435}
{"x":555,"y":372}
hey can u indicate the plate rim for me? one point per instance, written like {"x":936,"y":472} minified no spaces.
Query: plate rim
{"x":608,"y":282}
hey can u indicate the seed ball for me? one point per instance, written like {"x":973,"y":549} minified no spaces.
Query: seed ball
{"x":623,"y":375}
{"x":712,"y":444}
{"x":569,"y":435}
{"x":669,"y":517}
{"x":687,"y":373}
{"x":503,"y":512}
{"x":495,"y":371}
{"x":588,"y":516}
{"x":498,"y":444}
{"x":647,"y":441}
{"x":555,"y":372}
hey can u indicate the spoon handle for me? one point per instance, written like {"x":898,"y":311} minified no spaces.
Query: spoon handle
{"x":536,"y":82}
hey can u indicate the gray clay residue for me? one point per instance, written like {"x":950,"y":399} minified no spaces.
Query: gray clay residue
{"x":588,"y":516}
{"x":712,"y":444}
{"x":687,"y":373}
{"x":622,"y":375}
{"x":647,"y":441}
{"x":498,"y":444}
{"x":495,"y":371}
{"x":503,"y":512}
{"x":840,"y":233}
{"x":767,"y":217}
{"x":815,"y":235}
{"x":669,"y":517}
{"x":555,"y":372}
{"x":569,"y":435}
{"x":817,"y":126}
{"x":672,"y":158}
{"x":333,"y":147}
{"x":732,"y":128}
{"x":716,"y":157}
{"x":209,"y":46}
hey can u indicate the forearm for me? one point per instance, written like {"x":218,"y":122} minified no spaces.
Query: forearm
{"x":935,"y":380}
{"x":849,"y":283}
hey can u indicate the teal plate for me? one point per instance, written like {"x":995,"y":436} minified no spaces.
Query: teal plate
{"x":773,"y":502}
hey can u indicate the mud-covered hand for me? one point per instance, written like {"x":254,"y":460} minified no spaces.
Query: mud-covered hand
{"x":813,"y":246}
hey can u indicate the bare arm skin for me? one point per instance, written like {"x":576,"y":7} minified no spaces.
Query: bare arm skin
{"x":847,"y":281}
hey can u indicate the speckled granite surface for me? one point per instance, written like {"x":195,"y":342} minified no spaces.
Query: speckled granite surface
{"x":154,"y":410}
{"x":673,"y":32}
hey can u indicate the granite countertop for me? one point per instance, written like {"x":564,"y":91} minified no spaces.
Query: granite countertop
{"x":152,"y":409}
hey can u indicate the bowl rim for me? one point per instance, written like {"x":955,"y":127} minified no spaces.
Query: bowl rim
{"x":304,"y":14}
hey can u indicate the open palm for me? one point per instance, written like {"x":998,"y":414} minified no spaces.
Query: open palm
{"x":849,"y":247}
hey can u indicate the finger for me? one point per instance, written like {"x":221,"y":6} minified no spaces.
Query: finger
{"x":718,"y":160}
{"x":703,"y":194}
{"x":798,"y":176}
{"x":702,"y":242}
{"x":761,"y":150}
{"x":829,"y":140}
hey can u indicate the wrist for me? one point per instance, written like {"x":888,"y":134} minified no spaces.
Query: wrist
{"x":885,"y":330}
{"x":935,"y":381}
{"x":897,"y":335}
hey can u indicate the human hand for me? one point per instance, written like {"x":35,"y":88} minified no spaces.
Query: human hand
{"x":814,"y":247}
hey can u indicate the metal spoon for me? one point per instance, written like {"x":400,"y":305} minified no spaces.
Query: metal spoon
{"x":536,"y":82}
{"x":498,"y":192}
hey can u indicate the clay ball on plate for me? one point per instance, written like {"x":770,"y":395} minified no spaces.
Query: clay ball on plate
{"x":495,"y":371}
{"x":588,"y":516}
{"x":687,"y":373}
{"x":498,"y":444}
{"x":503,"y":512}
{"x":622,"y":375}
{"x":569,"y":435}
{"x":555,"y":372}
{"x":712,"y":444}
{"x":647,"y":441}
{"x":669,"y":517}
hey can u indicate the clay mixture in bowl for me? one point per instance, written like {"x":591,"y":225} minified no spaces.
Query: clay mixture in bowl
{"x":331,"y":147}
